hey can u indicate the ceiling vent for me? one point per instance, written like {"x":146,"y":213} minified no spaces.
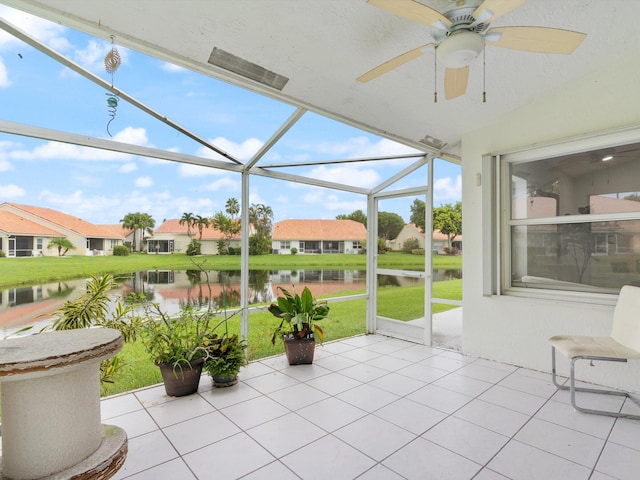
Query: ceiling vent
{"x":433,"y":142}
{"x":246,"y":69}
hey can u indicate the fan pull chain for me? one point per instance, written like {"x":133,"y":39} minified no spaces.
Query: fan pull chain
{"x":111,"y":63}
{"x":484,"y":76}
{"x":435,"y":79}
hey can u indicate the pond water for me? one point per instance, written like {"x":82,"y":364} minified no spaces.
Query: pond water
{"x":35,"y":305}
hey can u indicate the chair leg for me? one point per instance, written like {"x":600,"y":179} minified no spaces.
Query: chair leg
{"x":573,"y":389}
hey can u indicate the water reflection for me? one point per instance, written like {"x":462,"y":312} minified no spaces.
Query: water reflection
{"x":172,"y":289}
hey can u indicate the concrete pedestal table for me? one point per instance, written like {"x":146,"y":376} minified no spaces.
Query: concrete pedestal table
{"x":51,"y":406}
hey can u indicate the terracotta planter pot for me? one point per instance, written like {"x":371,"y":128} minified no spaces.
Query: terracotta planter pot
{"x":181,"y":381}
{"x":299,"y":351}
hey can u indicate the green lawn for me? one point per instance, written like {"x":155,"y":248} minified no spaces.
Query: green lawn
{"x":34,"y":270}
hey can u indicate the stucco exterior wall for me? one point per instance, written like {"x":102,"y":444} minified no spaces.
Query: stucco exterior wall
{"x":516,"y":329}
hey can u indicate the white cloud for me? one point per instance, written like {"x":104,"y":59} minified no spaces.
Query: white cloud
{"x":50,"y":33}
{"x":225,"y":183}
{"x":4,"y":76}
{"x":134,"y":136}
{"x":347,"y":174}
{"x":447,"y":190}
{"x":170,"y":67}
{"x":241,"y":151}
{"x":56,"y":150}
{"x":144,"y":182}
{"x":11,"y":191}
{"x":128,"y":167}
{"x":5,"y":166}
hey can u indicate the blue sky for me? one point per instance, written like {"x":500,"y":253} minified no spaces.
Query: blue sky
{"x":102,"y":187}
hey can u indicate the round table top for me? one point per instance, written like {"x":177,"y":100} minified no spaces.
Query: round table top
{"x":43,"y":352}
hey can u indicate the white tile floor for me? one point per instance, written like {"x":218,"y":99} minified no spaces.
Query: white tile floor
{"x":372,"y":407}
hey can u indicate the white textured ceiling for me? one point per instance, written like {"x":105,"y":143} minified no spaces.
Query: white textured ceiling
{"x":322,"y":46}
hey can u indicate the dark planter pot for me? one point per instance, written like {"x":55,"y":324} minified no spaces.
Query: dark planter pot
{"x":299,"y":351}
{"x":181,"y":381}
{"x":219,"y":382}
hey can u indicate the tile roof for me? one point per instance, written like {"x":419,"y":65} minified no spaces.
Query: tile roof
{"x":67,"y":221}
{"x":319,"y":230}
{"x":17,"y":225}
{"x":117,"y":229}
{"x":173,"y":226}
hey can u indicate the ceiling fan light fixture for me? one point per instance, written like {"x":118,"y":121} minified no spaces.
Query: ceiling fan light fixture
{"x":460,"y":49}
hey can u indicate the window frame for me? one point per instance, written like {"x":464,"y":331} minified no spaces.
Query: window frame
{"x":500,"y":184}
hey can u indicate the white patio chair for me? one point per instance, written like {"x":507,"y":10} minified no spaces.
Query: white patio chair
{"x":622,"y":345}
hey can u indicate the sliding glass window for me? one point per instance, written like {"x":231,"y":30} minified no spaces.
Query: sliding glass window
{"x":573,"y":221}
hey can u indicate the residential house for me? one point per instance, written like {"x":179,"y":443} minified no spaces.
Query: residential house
{"x":318,"y":236}
{"x":25,"y":231}
{"x":439,"y":239}
{"x":171,"y":236}
{"x":127,"y":234}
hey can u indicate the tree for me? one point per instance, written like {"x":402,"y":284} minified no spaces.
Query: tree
{"x":389,"y":225}
{"x":146,"y":224}
{"x":200,"y":222}
{"x":228,"y":227}
{"x":61,"y":243}
{"x":357,"y":216}
{"x":232,"y":207}
{"x":131,"y":221}
{"x":189,"y":219}
{"x":138,"y":221}
{"x":261,"y":217}
{"x":448,"y":219}
{"x":418,"y":214}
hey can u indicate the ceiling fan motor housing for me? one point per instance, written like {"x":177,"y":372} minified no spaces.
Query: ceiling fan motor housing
{"x":460,"y":48}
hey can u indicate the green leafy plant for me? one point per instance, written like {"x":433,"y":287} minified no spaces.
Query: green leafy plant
{"x":92,"y":310}
{"x":194,"y":248}
{"x":120,"y":251}
{"x":299,"y":314}
{"x":227,"y":356}
{"x":181,"y":339}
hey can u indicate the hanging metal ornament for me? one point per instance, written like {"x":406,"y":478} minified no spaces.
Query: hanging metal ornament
{"x":111,"y":63}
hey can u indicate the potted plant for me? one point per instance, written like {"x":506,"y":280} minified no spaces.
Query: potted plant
{"x":298,"y":328}
{"x":227,"y":356}
{"x":179,"y":345}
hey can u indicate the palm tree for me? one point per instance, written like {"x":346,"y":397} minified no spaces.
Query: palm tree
{"x":61,"y":243}
{"x":131,"y":221}
{"x":138,"y":221}
{"x":200,"y":222}
{"x":232,"y":207}
{"x":189,"y":219}
{"x":146,"y":224}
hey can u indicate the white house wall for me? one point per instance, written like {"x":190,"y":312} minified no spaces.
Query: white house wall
{"x":516,"y":329}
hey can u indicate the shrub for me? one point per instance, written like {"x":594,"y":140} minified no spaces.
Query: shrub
{"x":2,"y":254}
{"x":417,"y":251}
{"x":294,"y":250}
{"x":194,"y":248}
{"x":231,"y":250}
{"x":120,"y":251}
{"x":410,"y":245}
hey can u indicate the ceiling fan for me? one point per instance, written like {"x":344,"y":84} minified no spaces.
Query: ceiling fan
{"x":460,"y":36}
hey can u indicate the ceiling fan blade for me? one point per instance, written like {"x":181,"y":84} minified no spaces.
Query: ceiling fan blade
{"x":392,"y":64}
{"x":411,"y":10}
{"x":489,"y":10}
{"x":535,"y":39}
{"x":455,"y":82}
